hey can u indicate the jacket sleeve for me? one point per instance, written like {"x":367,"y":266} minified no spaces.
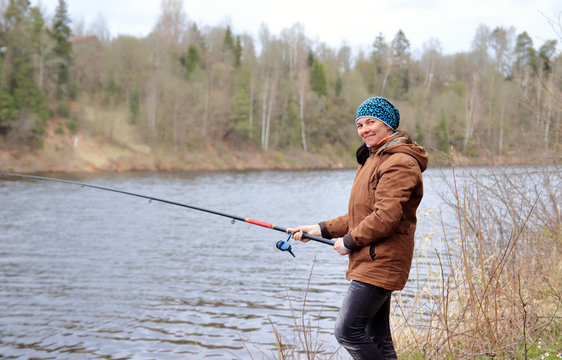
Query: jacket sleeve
{"x":335,"y":228}
{"x":398,"y":177}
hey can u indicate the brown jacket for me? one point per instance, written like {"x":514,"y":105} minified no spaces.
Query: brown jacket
{"x":381,"y":220}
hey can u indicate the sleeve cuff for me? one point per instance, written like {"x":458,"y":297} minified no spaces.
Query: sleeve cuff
{"x":349,"y":243}
{"x":324,"y":230}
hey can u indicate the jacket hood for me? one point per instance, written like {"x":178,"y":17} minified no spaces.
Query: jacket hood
{"x":402,"y":143}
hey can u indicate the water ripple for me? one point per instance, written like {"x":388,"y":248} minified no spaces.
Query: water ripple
{"x":90,"y":274}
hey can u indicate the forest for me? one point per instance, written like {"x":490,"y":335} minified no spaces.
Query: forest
{"x":187,"y":87}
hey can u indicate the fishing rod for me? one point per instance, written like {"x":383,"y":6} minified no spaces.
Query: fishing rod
{"x":282,"y":245}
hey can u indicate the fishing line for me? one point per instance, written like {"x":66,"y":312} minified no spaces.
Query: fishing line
{"x":282,"y":245}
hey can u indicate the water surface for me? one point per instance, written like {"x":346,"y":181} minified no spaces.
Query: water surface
{"x":88,"y":274}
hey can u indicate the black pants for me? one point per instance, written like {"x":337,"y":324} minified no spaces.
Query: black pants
{"x":363,"y":326}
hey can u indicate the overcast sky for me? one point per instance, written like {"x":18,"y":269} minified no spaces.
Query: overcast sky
{"x":352,"y":22}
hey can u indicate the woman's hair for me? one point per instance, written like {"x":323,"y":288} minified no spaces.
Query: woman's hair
{"x":362,"y":154}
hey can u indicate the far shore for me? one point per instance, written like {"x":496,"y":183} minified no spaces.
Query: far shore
{"x":114,"y":159}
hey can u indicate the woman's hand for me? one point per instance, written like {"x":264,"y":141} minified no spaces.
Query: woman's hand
{"x":340,"y":248}
{"x":297,"y":233}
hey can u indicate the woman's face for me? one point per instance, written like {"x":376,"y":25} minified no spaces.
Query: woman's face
{"x":372,"y":130}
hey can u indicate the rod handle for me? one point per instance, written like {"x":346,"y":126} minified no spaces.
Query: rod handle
{"x":319,"y":239}
{"x":306,"y":236}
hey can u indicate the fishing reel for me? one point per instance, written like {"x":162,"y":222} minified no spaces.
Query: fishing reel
{"x":284,"y":245}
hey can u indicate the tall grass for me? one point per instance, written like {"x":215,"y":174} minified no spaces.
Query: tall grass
{"x":500,"y":273}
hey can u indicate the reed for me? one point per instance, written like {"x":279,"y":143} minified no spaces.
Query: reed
{"x":499,"y":293}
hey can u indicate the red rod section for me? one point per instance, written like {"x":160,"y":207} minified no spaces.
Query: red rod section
{"x":259,"y":223}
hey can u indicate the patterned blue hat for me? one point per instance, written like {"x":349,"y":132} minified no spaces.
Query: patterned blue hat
{"x":381,"y":109}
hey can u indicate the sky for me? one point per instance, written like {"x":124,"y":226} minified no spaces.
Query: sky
{"x":355,"y":23}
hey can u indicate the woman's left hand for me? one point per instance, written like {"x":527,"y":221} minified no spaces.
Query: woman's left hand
{"x":297,"y":233}
{"x":339,"y":247}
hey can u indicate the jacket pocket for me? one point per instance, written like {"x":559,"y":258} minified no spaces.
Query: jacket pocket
{"x":372,"y":253}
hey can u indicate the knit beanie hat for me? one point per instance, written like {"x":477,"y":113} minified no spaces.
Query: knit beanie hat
{"x":381,"y":109}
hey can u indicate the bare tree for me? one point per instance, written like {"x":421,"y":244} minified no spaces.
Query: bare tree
{"x":172,"y":24}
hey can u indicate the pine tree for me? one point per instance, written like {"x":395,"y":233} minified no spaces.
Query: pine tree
{"x":191,"y":60}
{"x":379,"y":52}
{"x":401,"y":52}
{"x":24,"y":109}
{"x":61,"y":34}
{"x":310,"y":60}
{"x":228,"y":42}
{"x":546,"y":54}
{"x":318,"y":79}
{"x":525,"y":56}
{"x":8,"y":111}
{"x":237,"y":52}
{"x":134,"y":106}
{"x":442,"y":134}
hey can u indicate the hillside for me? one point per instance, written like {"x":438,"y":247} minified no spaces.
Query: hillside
{"x":90,"y":149}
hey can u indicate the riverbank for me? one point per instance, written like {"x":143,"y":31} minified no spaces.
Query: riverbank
{"x":88,"y":155}
{"x":87,"y":152}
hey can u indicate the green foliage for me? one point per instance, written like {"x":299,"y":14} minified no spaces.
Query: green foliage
{"x":442,"y":134}
{"x":73,"y":89}
{"x":191,"y":60}
{"x":228,"y":42}
{"x":318,"y":79}
{"x":458,"y":88}
{"x":134,"y":106}
{"x":401,"y":52}
{"x":310,"y":60}
{"x":36,"y":30}
{"x":111,"y":92}
{"x":28,"y":99}
{"x":379,"y":51}
{"x":63,"y":110}
{"x":8,"y":111}
{"x":28,"y":54}
{"x":62,"y":52}
{"x":239,"y":127}
{"x":546,"y":55}
{"x":526,"y":60}
{"x":401,"y":47}
{"x":232,"y":48}
{"x":73,"y":124}
{"x":289,"y":132}
{"x":237,"y":52}
{"x":338,"y":87}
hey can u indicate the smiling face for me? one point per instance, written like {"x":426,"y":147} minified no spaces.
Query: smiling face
{"x":372,"y":130}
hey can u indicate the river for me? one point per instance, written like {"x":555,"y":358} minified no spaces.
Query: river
{"x":89,"y":274}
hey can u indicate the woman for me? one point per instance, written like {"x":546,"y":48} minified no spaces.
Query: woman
{"x":377,"y":233}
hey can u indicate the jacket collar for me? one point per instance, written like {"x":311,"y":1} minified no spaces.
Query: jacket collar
{"x":397,"y":138}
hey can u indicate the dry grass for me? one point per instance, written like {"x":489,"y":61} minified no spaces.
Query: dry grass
{"x":500,"y":276}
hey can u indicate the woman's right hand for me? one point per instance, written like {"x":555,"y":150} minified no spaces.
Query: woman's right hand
{"x":297,"y":233}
